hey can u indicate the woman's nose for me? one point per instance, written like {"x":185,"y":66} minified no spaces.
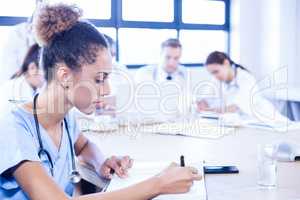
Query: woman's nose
{"x":104,"y":90}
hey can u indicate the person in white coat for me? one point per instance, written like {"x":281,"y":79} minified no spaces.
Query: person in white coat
{"x":168,"y":68}
{"x":26,"y":82}
{"x":235,"y":91}
{"x":19,"y":40}
{"x":166,"y":81}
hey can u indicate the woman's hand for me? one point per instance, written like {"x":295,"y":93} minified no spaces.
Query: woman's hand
{"x":176,"y":179}
{"x":119,"y":165}
{"x":228,"y":109}
{"x":202,"y":106}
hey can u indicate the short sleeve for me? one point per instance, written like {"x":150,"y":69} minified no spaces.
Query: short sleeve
{"x":16,"y":145}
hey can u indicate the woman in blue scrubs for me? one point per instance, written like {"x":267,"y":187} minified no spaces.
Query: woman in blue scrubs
{"x":38,"y":140}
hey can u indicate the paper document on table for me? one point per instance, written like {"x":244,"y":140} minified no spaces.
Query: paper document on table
{"x":196,"y":128}
{"x":144,"y":170}
{"x":275,"y":126}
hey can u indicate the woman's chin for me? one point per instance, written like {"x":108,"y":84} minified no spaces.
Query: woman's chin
{"x":88,"y":111}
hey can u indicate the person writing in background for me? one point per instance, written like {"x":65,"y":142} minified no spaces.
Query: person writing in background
{"x":39,"y":139}
{"x":18,"y":41}
{"x":25,"y":82}
{"x":235,"y":88}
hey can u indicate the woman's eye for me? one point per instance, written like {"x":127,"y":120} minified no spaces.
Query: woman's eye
{"x":102,"y":78}
{"x":99,"y":81}
{"x":105,"y":76}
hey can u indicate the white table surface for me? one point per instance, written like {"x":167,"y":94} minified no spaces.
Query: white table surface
{"x":238,"y":149}
{"x":292,"y":93}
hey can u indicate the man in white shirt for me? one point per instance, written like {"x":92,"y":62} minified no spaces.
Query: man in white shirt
{"x":164,"y":84}
{"x":168,"y":68}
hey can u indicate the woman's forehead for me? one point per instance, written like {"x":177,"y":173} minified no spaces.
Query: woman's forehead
{"x":97,"y":69}
{"x":102,"y":64}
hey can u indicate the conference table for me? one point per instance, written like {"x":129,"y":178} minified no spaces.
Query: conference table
{"x":239,"y":148}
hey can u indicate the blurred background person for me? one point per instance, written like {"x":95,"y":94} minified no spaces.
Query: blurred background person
{"x":168,"y":68}
{"x":236,"y":89}
{"x":26,"y":82}
{"x":19,"y":40}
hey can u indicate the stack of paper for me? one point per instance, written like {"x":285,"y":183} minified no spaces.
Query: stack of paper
{"x":144,"y":170}
{"x":195,"y":128}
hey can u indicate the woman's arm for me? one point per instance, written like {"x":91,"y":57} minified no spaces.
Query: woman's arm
{"x":90,"y":154}
{"x":36,"y":183}
{"x":34,"y":180}
{"x":227,"y":109}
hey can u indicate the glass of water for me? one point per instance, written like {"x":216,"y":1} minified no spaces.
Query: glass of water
{"x":267,"y":166}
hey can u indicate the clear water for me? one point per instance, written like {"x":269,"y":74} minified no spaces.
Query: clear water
{"x":267,"y":174}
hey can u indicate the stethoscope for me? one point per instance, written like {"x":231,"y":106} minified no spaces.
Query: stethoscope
{"x":74,"y":175}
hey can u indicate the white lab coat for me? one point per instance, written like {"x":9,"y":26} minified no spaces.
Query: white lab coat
{"x":244,"y":92}
{"x":14,"y":50}
{"x":15,"y":91}
{"x":158,"y":75}
{"x":166,"y":96}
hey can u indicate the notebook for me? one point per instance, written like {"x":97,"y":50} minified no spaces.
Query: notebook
{"x":144,"y":170}
{"x":195,"y":128}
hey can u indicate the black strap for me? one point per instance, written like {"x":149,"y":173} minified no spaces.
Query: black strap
{"x":70,"y":144}
{"x":169,"y":78}
{"x":37,"y":122}
{"x":41,"y":149}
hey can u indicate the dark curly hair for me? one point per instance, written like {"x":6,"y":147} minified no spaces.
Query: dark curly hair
{"x":65,"y":38}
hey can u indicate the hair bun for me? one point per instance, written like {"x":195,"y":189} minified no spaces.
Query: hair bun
{"x":53,"y":19}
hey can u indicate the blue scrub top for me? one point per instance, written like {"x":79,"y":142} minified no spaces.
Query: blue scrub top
{"x":18,"y":142}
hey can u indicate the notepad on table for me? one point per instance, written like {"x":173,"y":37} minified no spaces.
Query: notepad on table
{"x":144,"y":170}
{"x":196,"y":128}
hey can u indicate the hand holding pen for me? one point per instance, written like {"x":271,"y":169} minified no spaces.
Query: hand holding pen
{"x":178,"y":178}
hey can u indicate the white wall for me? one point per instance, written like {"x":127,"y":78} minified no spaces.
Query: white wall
{"x":298,"y":36}
{"x":266,"y":37}
{"x":245,"y":19}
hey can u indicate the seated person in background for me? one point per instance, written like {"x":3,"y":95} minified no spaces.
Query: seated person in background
{"x":168,"y":68}
{"x":26,"y":82}
{"x":235,"y":87}
{"x":18,"y":41}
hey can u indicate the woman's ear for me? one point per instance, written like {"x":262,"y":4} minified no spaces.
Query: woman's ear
{"x":226,"y":63}
{"x":63,"y":75}
{"x":32,"y":68}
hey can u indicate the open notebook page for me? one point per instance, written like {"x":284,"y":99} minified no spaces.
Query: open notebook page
{"x":145,"y":170}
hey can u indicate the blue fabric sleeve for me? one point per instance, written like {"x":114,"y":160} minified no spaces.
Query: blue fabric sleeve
{"x":17,"y":145}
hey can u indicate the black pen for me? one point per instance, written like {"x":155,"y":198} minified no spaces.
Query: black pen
{"x":112,"y":172}
{"x":182,"y":163}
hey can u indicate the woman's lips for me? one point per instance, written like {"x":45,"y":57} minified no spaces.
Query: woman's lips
{"x":99,"y":104}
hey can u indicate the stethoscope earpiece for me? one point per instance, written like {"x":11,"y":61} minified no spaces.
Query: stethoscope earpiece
{"x":75,"y":177}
